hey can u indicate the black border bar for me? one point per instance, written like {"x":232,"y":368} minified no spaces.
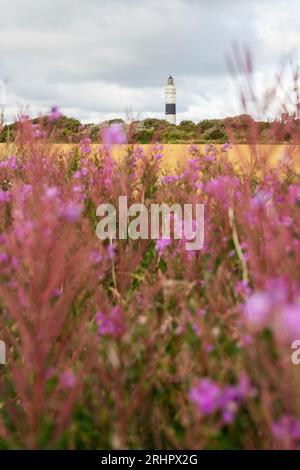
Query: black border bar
{"x":136,"y":458}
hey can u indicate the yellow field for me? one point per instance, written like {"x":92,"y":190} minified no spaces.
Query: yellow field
{"x":177,"y":154}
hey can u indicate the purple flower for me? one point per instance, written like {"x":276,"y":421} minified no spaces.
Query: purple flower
{"x":296,"y":430}
{"x":114,"y":134}
{"x":111,"y":250}
{"x":77,"y":174}
{"x":261,"y":199}
{"x":14,"y":262}
{"x":287,"y":427}
{"x":222,"y":188}
{"x":85,"y":147}
{"x":77,"y":188}
{"x":290,"y":318}
{"x":51,"y":193}
{"x":138,"y":152}
{"x":108,"y":171}
{"x":10,"y":163}
{"x":5,"y":196}
{"x":209,"y":158}
{"x":173,"y":178}
{"x":197,"y":329}
{"x":95,"y":257}
{"x":287,"y":221}
{"x":72,"y":212}
{"x":226,"y":147}
{"x":38,"y":132}
{"x":157,"y":149}
{"x":257,"y":309}
{"x":161,"y":244}
{"x":242,"y":287}
{"x":55,"y":114}
{"x":211,"y":397}
{"x":25,"y":190}
{"x":3,"y":257}
{"x":228,"y":414}
{"x":209,"y":348}
{"x":193,"y":149}
{"x":56,"y":293}
{"x":277,"y":289}
{"x":201,"y":312}
{"x":293,"y":194}
{"x":169,"y":179}
{"x":194,"y":164}
{"x":206,"y":395}
{"x":245,"y":341}
{"x":111,"y":324}
{"x":67,"y":379}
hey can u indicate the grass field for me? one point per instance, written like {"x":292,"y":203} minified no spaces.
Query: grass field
{"x":176,"y":155}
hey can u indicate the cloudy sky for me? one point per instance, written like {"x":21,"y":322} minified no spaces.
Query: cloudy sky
{"x":99,"y":59}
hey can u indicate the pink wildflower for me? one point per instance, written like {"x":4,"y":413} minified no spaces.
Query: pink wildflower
{"x":161,"y":244}
{"x":67,"y":379}
{"x":55,"y":114}
{"x":111,"y":324}
{"x":114,"y":134}
{"x":85,"y":146}
{"x":206,"y":395}
{"x":291,"y":321}
{"x":10,"y":163}
{"x":257,"y":309}
{"x":287,"y":427}
{"x":71,"y":212}
{"x":5,"y":196}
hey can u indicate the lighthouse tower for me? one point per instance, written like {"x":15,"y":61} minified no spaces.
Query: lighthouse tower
{"x":171,"y":101}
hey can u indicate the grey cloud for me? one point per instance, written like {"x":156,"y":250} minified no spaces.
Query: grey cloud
{"x":101,"y":55}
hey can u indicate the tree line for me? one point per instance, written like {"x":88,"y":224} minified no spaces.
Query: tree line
{"x":239,"y":129}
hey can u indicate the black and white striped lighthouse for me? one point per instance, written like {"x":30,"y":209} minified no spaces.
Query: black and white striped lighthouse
{"x":171,"y":101}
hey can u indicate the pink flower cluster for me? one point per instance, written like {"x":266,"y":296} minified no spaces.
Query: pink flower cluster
{"x":210,"y":397}
{"x":276,"y":307}
{"x":110,"y":324}
{"x":113,"y":134}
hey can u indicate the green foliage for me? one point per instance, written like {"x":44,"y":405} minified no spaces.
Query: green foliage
{"x":241,"y":128}
{"x":144,"y":136}
{"x":7,"y":134}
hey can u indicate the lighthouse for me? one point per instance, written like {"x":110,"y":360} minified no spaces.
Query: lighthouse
{"x":171,"y":101}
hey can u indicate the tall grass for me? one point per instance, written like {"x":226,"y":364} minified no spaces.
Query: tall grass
{"x":142,"y":344}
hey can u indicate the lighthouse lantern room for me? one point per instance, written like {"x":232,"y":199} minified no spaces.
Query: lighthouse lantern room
{"x":171,"y":101}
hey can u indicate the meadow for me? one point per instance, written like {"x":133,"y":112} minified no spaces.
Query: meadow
{"x":132,"y":344}
{"x":176,"y":156}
